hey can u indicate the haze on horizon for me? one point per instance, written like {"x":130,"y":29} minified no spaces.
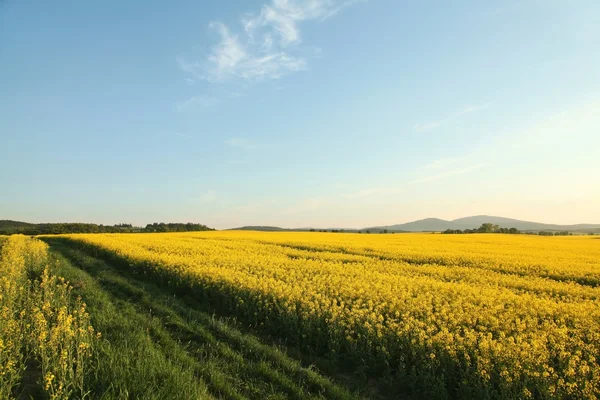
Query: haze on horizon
{"x":321,"y":113}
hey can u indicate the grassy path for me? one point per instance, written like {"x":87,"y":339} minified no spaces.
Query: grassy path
{"x":157,"y":346}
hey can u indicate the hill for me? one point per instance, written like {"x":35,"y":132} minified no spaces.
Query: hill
{"x":7,"y":223}
{"x":422,"y":225}
{"x":473,"y":222}
{"x":262,"y":228}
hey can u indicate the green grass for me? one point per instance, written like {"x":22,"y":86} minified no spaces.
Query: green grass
{"x":157,"y":345}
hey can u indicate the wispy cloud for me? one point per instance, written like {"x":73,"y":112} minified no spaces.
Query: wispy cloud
{"x":240,"y":143}
{"x":256,"y":207}
{"x":577,"y":126}
{"x":183,"y":135}
{"x":209,"y":197}
{"x":307,"y":205}
{"x":444,"y":162}
{"x":437,"y":169}
{"x":470,"y":109}
{"x":372,"y":191}
{"x":195,"y":102}
{"x":263,"y":47}
{"x":426,"y":126}
{"x":450,"y":172}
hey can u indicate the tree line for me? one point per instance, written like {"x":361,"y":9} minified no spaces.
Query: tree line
{"x":15,"y":227}
{"x":484,"y":228}
{"x":492,"y":228}
{"x":176,"y":227}
{"x":561,"y":233}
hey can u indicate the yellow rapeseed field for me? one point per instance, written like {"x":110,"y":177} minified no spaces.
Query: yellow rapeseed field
{"x":481,"y":315}
{"x":43,"y":330}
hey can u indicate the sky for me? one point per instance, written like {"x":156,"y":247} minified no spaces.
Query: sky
{"x":298,"y":113}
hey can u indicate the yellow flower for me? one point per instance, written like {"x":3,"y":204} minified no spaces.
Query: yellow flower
{"x":503,"y":307}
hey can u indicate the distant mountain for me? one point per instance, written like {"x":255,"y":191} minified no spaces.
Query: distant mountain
{"x":422,"y":225}
{"x":8,"y":227}
{"x":264,"y":228}
{"x":476,"y":221}
{"x":438,"y":225}
{"x":261,"y":228}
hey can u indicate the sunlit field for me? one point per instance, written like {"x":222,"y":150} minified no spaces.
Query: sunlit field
{"x":46,"y":340}
{"x":483,"y":315}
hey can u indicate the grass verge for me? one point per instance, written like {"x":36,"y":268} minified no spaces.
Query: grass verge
{"x":159,"y":346}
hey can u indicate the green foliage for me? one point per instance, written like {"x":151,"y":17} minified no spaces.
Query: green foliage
{"x":16,"y":227}
{"x":46,"y":341}
{"x":550,"y":233}
{"x":488,"y":228}
{"x":176,"y":227}
{"x":8,"y":227}
{"x":484,"y":228}
{"x":159,"y":345}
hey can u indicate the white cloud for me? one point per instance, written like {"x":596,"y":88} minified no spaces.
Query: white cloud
{"x":263,"y":49}
{"x":436,"y":124}
{"x":240,"y":143}
{"x":228,"y":54}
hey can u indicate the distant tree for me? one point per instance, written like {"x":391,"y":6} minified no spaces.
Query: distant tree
{"x":385,"y":231}
{"x":488,"y":228}
{"x":453,"y":231}
{"x":485,"y":228}
{"x":312,"y":230}
{"x":176,"y":227}
{"x":563,"y":233}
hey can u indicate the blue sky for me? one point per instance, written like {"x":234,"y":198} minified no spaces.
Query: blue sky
{"x":325,"y":113}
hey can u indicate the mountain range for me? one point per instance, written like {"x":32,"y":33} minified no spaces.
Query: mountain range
{"x":473,"y":222}
{"x":436,"y":224}
{"x":422,"y":225}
